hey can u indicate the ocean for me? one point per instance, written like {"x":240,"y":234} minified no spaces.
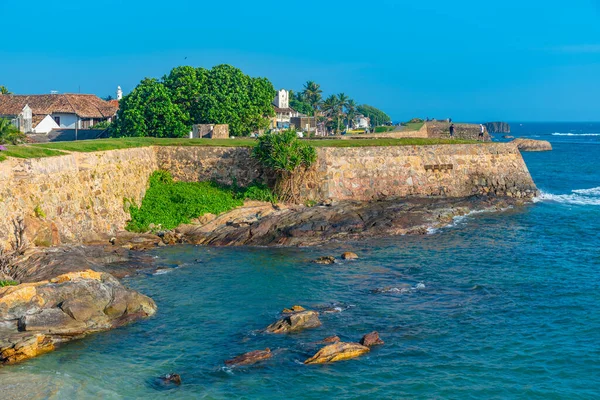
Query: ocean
{"x":494,"y":306}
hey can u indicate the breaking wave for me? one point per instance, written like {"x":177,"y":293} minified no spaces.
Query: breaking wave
{"x":575,"y":134}
{"x":581,"y":197}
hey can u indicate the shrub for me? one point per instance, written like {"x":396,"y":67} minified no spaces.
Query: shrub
{"x":4,"y":283}
{"x":9,"y":133}
{"x":288,"y":157}
{"x":169,"y":204}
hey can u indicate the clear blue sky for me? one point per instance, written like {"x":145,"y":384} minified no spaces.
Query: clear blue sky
{"x":469,"y":60}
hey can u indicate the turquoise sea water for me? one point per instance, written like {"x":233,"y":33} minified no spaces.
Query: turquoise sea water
{"x":499,"y":305}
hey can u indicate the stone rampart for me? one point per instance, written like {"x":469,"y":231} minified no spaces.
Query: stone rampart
{"x":80,"y":196}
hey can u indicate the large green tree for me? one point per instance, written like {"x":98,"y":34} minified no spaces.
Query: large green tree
{"x":377,"y":116}
{"x":313,"y":95}
{"x":298,"y":103}
{"x":186,"y":84}
{"x":149,"y":111}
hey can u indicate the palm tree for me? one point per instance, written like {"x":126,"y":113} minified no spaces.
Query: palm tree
{"x":343,"y":104}
{"x":350,"y":112}
{"x":4,"y":90}
{"x":313,"y":95}
{"x":331,"y":108}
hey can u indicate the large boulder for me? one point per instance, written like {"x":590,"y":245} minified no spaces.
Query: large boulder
{"x":532,"y":145}
{"x":34,"y":317}
{"x":338,"y":352}
{"x":295,"y":322}
{"x":250,"y":358}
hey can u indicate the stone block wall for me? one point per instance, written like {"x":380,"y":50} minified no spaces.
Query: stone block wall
{"x":370,"y":173}
{"x":221,"y":164}
{"x":71,"y":198}
{"x":80,"y":196}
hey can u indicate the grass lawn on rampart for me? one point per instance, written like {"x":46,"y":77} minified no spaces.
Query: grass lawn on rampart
{"x":54,"y":149}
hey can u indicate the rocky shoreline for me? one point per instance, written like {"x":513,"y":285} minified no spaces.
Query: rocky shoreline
{"x":70,"y":291}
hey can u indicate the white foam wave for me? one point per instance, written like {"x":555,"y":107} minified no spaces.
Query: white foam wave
{"x":588,"y":192}
{"x":575,"y":134}
{"x":573,"y":198}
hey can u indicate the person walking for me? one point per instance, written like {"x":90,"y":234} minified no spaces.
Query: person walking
{"x":451,"y":130}
{"x":481,"y":130}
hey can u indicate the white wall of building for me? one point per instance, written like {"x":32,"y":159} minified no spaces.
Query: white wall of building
{"x":46,"y":125}
{"x":283,"y":99}
{"x":66,"y":120}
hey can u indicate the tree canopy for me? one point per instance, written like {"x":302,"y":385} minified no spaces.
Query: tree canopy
{"x":377,"y":116}
{"x":4,"y":90}
{"x":188,"y":95}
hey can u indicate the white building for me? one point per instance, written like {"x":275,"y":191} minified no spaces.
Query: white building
{"x":42,"y":113}
{"x":362,"y":122}
{"x":283,"y":111}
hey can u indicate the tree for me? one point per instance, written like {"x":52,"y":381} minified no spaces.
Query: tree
{"x":343,"y":104}
{"x":297,"y":103}
{"x":9,"y":133}
{"x":350,"y":112}
{"x":377,"y":116}
{"x":186,"y":84}
{"x":149,"y":111}
{"x":4,"y":90}
{"x":312,"y":94}
{"x":332,"y":108}
{"x":288,"y":157}
{"x":231,"y":97}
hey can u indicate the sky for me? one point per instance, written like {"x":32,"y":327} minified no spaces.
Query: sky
{"x":525,"y":60}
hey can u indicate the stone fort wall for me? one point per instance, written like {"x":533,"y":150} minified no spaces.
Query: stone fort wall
{"x":80,"y":196}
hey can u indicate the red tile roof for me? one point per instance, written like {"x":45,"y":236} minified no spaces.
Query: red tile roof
{"x":84,"y":105}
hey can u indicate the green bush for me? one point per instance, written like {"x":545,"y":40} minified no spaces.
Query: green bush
{"x":288,"y":157}
{"x":169,"y":204}
{"x":8,"y":283}
{"x":10,"y":134}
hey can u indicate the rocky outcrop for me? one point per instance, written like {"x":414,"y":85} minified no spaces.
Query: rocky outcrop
{"x":371,"y":339}
{"x":351,"y":220}
{"x":294,"y":309}
{"x":325,"y":260}
{"x":250,"y":358}
{"x":532,"y":145}
{"x":497,"y":127}
{"x":295,"y":322}
{"x":331,"y":339}
{"x":36,"y":317}
{"x":337,"y":352}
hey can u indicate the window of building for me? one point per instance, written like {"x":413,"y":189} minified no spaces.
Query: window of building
{"x":57,"y":120}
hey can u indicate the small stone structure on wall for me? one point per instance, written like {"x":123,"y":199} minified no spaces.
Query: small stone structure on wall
{"x":210,"y":131}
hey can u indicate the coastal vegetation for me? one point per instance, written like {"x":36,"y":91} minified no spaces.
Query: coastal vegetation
{"x":168,"y":204}
{"x":9,"y":133}
{"x":4,"y":283}
{"x":4,"y":90}
{"x":170,"y":106}
{"x":288,"y":158}
{"x":377,"y":116}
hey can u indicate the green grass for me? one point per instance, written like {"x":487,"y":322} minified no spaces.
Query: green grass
{"x":413,"y":126}
{"x":169,"y":204}
{"x":8,"y":283}
{"x":383,"y":129}
{"x":54,"y":149}
{"x":28,"y":152}
{"x":374,"y":142}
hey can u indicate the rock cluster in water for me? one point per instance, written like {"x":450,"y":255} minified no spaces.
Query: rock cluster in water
{"x":532,"y":145}
{"x":35,"y":317}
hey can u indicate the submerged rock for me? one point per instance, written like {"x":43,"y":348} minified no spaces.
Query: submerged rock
{"x":349,"y":256}
{"x":337,"y":352}
{"x":371,"y":339}
{"x":174,"y":379}
{"x":295,"y":322}
{"x":532,"y":145}
{"x":36,"y":316}
{"x":250,"y":358}
{"x":325,"y":260}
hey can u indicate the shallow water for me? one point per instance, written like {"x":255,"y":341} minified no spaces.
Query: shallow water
{"x":497,"y":306}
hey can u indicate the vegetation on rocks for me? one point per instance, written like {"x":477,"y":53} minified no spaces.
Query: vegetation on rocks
{"x":4,"y":283}
{"x":288,"y":158}
{"x":168,"y":204}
